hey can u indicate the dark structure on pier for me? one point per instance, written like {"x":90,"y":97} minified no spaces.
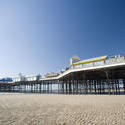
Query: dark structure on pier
{"x":107,"y":78}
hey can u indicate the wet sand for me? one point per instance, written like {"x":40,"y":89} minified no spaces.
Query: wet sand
{"x":38,"y":109}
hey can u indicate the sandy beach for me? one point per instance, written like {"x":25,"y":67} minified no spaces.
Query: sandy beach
{"x":38,"y":109}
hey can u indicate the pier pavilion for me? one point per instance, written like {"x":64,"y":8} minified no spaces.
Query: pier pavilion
{"x":100,"y":75}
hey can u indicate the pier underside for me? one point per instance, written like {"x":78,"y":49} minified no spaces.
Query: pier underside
{"x":97,"y":81}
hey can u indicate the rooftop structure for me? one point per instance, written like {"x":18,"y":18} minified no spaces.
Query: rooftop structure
{"x":52,"y":74}
{"x":21,"y":77}
{"x":8,"y":79}
{"x":74,"y":59}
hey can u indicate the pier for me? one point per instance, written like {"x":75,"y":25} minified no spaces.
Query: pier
{"x":108,"y":77}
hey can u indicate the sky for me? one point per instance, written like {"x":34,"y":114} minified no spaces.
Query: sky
{"x":39,"y":36}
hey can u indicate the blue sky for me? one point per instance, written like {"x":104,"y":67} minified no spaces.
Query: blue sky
{"x":39,"y":36}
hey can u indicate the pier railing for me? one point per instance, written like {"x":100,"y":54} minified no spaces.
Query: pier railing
{"x":108,"y":61}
